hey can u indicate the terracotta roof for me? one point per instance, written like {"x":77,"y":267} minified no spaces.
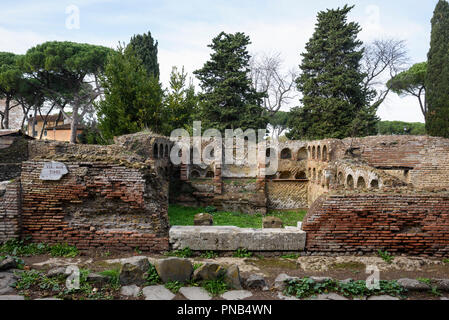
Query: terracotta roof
{"x":51,"y":117}
{"x":66,"y":126}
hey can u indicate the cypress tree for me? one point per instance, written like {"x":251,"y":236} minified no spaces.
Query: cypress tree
{"x":228,"y":100}
{"x":437,"y":80}
{"x":146,"y":49}
{"x":335,"y":105}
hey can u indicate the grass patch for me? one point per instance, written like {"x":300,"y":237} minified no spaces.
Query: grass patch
{"x":184,"y":216}
{"x":184,"y":253}
{"x":209,"y":255}
{"x":152,"y":277}
{"x":20,"y":248}
{"x":293,"y":256}
{"x":113,"y":275}
{"x":64,"y":250}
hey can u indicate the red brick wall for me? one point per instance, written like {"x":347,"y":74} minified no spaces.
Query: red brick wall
{"x":96,"y":205}
{"x":416,"y":224}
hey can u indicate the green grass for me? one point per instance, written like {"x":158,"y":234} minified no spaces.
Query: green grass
{"x":183,"y":216}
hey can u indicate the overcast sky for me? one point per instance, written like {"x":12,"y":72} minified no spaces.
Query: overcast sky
{"x":185,"y":28}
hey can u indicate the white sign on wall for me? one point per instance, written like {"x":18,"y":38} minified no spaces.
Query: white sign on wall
{"x":53,"y":171}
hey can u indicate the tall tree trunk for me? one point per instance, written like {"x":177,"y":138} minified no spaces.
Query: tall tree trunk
{"x":74,"y":124}
{"x":33,"y":127}
{"x":6,"y":114}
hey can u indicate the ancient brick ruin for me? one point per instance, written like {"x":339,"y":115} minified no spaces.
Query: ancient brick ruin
{"x":362,"y":194}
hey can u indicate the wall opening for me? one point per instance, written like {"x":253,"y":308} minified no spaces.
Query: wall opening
{"x":302,"y":154}
{"x":161,"y":151}
{"x":155,"y":151}
{"x":374,"y":184}
{"x":285,"y":175}
{"x":194,"y":174}
{"x":324,"y":157}
{"x":209,"y":174}
{"x":361,"y":184}
{"x":301,"y":175}
{"x":318,"y":153}
{"x":286,"y":153}
{"x":340,"y":178}
{"x":350,"y":182}
{"x":313,"y":152}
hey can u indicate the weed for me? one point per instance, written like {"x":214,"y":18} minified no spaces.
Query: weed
{"x":114,"y":277}
{"x":210,"y":209}
{"x":209,"y":255}
{"x":433,"y":289}
{"x":151,"y":276}
{"x":446,"y":261}
{"x":64,"y":250}
{"x":184,"y":253}
{"x":386,"y":256}
{"x":173,"y":286}
{"x":137,"y":250}
{"x":197,"y":266}
{"x":20,"y":248}
{"x":306,"y":287}
{"x":215,"y":287}
{"x":242,"y":253}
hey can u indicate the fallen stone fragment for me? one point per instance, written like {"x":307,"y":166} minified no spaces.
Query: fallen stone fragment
{"x":272,"y":223}
{"x":174,"y":269}
{"x":7,"y":264}
{"x":279,"y":282}
{"x":413,"y":285}
{"x":236,"y":295}
{"x":256,"y":281}
{"x":442,"y":284}
{"x":195,"y":293}
{"x":58,"y":271}
{"x":209,"y":271}
{"x":320,"y":279}
{"x":98,"y":279}
{"x":157,"y":293}
{"x":232,"y":277}
{"x":130,"y":291}
{"x":203,"y":219}
{"x":131,"y":274}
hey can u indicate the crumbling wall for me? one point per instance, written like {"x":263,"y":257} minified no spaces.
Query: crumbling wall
{"x":111,"y":198}
{"x":10,"y":206}
{"x":401,"y":222}
{"x":13,"y":150}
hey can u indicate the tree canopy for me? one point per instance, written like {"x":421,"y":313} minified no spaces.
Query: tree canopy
{"x":437,"y":79}
{"x":145,"y":48}
{"x":228,"y":100}
{"x":68,"y":73}
{"x":412,"y":82}
{"x":132,"y":98}
{"x":10,"y":83}
{"x":335,"y":104}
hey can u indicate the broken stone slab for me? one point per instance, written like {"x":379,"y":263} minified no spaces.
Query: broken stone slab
{"x":255,"y":281}
{"x":232,"y":277}
{"x":195,"y":293}
{"x":383,"y":298}
{"x":7,"y":264}
{"x":203,"y":219}
{"x":98,"y":279}
{"x":12,"y":297}
{"x":209,"y":271}
{"x":279,"y":282}
{"x":228,"y":238}
{"x":141,"y":262}
{"x":130,"y":291}
{"x":236,"y":295}
{"x":58,"y":271}
{"x":413,"y":285}
{"x":157,"y":293}
{"x":272,"y":223}
{"x":131,"y":274}
{"x":284,"y":297}
{"x":330,"y":296}
{"x":442,"y":284}
{"x":53,"y":171}
{"x":174,"y":269}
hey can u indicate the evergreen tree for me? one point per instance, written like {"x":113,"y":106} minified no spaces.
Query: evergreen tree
{"x":180,"y":103}
{"x":229,"y":100}
{"x":133,"y":98}
{"x":437,"y":80}
{"x":335,"y":105}
{"x":146,"y":49}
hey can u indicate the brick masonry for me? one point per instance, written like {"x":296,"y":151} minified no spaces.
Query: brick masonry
{"x":413,"y":223}
{"x":96,"y":205}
